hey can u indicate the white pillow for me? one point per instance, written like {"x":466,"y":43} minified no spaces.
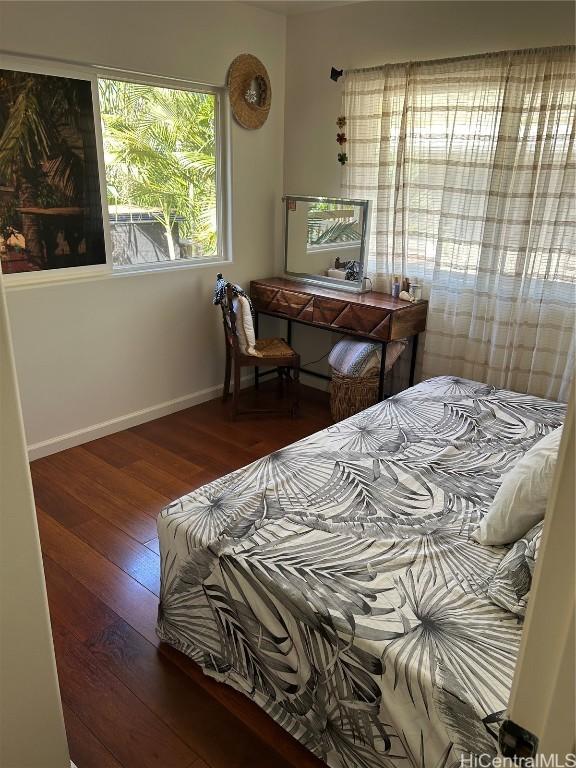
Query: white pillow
{"x":521,"y":500}
{"x":244,"y":325}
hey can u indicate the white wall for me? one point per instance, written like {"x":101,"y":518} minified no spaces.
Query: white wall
{"x":92,"y":352}
{"x":369,"y":34}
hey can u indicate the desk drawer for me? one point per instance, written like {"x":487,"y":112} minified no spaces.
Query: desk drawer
{"x":326,"y":310}
{"x":281,"y":302}
{"x":350,"y":316}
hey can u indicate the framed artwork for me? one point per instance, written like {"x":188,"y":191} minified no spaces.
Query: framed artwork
{"x":50,"y":183}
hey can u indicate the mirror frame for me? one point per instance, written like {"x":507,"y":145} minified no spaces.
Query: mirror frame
{"x":356,"y":286}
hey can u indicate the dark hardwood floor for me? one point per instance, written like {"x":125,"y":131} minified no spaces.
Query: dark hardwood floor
{"x":129,"y":700}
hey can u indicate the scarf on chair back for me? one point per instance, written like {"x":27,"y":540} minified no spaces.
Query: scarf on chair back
{"x":221,"y":288}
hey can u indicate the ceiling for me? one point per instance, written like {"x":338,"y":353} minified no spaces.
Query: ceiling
{"x":292,"y":7}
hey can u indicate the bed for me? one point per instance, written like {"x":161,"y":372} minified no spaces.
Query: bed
{"x":335,"y":583}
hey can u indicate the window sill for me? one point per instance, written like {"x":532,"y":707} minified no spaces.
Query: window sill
{"x":26,"y":280}
{"x":167,"y":266}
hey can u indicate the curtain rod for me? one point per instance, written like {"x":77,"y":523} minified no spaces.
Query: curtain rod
{"x":418,"y":63}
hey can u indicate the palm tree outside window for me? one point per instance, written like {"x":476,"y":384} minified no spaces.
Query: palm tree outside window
{"x":161,"y":176}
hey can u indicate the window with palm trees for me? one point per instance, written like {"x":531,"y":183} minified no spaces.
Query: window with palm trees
{"x":158,"y":160}
{"x":160,"y":153}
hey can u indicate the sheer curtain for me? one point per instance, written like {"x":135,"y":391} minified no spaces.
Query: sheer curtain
{"x":471,"y":167}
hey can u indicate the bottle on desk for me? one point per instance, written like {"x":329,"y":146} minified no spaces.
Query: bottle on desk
{"x":395,"y":287}
{"x":416,"y":291}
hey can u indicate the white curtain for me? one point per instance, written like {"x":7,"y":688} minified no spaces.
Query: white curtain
{"x":470,"y":164}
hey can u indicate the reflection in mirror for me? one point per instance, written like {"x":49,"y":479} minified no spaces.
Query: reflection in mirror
{"x":325,"y":240}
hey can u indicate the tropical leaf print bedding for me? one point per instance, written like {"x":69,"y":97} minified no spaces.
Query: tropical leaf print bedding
{"x":334,"y":582}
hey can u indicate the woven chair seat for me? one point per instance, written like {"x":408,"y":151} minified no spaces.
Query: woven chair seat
{"x":273,"y":348}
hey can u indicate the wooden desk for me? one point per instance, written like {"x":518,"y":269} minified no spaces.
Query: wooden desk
{"x":374,"y":316}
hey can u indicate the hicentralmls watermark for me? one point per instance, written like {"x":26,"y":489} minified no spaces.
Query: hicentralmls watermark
{"x":538,"y":761}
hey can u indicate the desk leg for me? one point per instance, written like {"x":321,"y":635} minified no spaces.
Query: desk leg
{"x":256,"y":369}
{"x":413,"y":359}
{"x":382,"y":372}
{"x":289,"y":332}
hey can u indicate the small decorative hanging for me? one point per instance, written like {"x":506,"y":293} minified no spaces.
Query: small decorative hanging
{"x":341,"y":140}
{"x":250,"y":91}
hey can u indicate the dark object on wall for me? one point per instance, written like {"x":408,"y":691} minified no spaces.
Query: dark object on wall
{"x":49,"y":167}
{"x":250,"y":91}
{"x":335,"y":74}
{"x":341,"y":138}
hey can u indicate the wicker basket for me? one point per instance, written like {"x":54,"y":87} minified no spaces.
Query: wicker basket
{"x":351,"y":394}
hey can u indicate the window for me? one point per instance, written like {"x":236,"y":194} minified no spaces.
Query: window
{"x":456,"y":147}
{"x":105,"y":172}
{"x":162,"y":177}
{"x":468,"y":162}
{"x":470,"y":166}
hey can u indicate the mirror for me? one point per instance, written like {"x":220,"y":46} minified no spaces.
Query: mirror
{"x":326,"y":239}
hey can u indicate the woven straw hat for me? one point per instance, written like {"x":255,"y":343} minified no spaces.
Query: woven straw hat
{"x":250,"y":91}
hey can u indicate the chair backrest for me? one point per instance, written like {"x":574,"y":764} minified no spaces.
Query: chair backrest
{"x":229,"y":319}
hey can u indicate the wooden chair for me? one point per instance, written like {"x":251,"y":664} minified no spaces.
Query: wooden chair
{"x":274,"y":353}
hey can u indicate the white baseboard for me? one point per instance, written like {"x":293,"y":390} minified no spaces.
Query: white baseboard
{"x":93,"y":432}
